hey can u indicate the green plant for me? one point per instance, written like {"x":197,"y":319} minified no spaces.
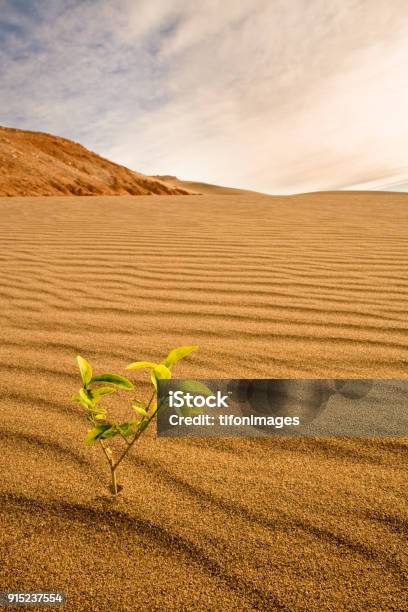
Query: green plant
{"x":95,"y":388}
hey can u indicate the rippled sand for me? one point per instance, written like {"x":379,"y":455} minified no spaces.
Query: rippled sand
{"x":312,"y":286}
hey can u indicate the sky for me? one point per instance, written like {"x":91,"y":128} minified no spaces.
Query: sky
{"x":279,"y":96}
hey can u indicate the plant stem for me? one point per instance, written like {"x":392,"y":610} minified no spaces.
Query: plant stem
{"x":108,"y":457}
{"x":150,"y":400}
{"x":124,"y":437}
{"x":114,"y":482}
{"x":114,"y":465}
{"x":138,"y":433}
{"x":125,"y":452}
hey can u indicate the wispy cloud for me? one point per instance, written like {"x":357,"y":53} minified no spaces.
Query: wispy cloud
{"x":272,"y":95}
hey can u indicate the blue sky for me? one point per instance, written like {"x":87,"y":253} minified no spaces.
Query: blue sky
{"x":275,"y":95}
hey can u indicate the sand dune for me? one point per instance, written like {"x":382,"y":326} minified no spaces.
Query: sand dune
{"x":38,"y":164}
{"x":312,"y":286}
{"x":203,"y":188}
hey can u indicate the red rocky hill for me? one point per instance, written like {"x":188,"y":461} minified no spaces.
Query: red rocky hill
{"x":38,"y":164}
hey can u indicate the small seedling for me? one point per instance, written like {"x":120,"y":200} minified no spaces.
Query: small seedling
{"x":95,"y":388}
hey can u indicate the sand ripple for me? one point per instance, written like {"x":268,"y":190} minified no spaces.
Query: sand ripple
{"x":312,"y":286}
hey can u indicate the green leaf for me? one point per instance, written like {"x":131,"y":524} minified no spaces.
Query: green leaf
{"x":96,"y":433}
{"x":140,"y":365}
{"x":195,"y":387}
{"x":160,"y":372}
{"x":127,"y":429}
{"x":139,"y":410}
{"x":90,"y":397}
{"x":86,"y":397}
{"x":140,"y":404}
{"x":99,"y":392}
{"x":177,"y":354}
{"x":113,"y":379}
{"x":94,"y":410}
{"x":85,"y":369}
{"x":189,"y":411}
{"x":110,"y":433}
{"x":78,"y":399}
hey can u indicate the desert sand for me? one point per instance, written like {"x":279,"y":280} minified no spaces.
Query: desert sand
{"x":307,"y":286}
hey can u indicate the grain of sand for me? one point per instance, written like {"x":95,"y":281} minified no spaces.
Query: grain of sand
{"x":307,"y":286}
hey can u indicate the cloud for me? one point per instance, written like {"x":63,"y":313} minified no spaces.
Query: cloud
{"x":271,"y":95}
